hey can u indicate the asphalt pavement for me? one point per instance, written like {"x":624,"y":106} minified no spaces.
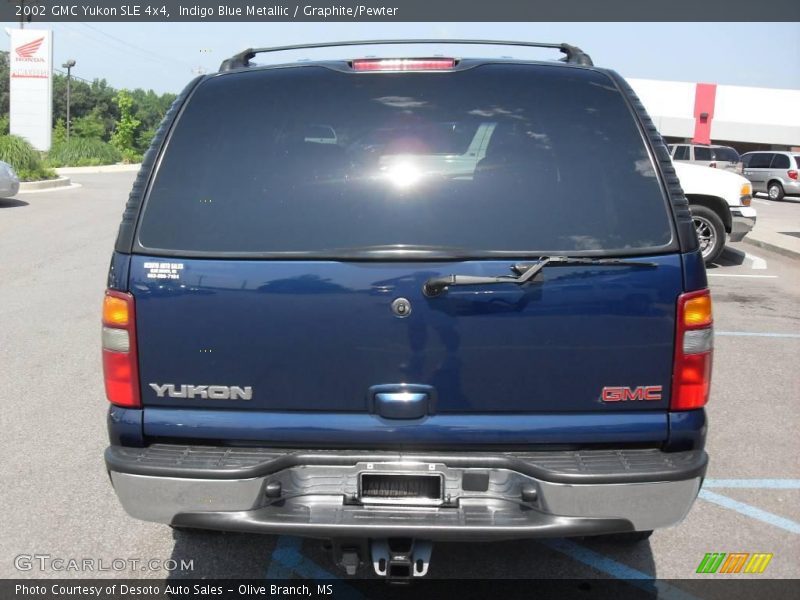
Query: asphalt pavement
{"x":778,"y":225}
{"x":57,"y":498}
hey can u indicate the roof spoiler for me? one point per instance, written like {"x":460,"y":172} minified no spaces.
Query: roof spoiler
{"x":572,"y":54}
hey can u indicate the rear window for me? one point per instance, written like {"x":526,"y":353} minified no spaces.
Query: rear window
{"x":702,"y":153}
{"x":488,"y":159}
{"x":797,"y":161}
{"x":682,"y":153}
{"x":780,"y":161}
{"x":723,"y":153}
{"x":760,"y":161}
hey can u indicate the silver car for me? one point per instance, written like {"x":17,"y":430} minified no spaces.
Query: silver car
{"x":721,"y":157}
{"x":9,"y":182}
{"x":775,"y":173}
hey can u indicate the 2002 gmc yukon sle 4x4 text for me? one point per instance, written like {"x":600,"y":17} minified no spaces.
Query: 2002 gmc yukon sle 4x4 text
{"x":326,"y":318}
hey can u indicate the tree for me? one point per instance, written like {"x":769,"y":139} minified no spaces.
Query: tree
{"x":95,"y":104}
{"x":149,"y":108}
{"x":59,"y":132}
{"x":91,"y":126}
{"x":86,"y":98}
{"x":5,"y":72}
{"x":124,"y":136}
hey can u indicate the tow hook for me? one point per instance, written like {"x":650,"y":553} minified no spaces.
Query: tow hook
{"x":401,"y":558}
{"x":348,"y":554}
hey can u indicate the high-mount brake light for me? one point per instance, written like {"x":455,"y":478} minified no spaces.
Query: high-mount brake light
{"x":403,"y":64}
{"x":694,"y":349}
{"x":120,"y":362}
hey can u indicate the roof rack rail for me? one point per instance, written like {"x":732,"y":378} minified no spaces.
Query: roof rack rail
{"x":572,"y":54}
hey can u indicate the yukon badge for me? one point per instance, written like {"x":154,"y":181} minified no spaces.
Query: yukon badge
{"x":625,"y":394}
{"x":212,"y":392}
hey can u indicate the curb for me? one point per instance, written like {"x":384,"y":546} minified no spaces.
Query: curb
{"x":773,"y":247}
{"x":30,"y":186}
{"x":98,"y":169}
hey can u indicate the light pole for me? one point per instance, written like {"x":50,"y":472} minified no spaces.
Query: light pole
{"x":22,"y":16}
{"x":68,"y":66}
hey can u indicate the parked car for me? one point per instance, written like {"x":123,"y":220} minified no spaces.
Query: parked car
{"x":720,"y":157}
{"x":774,"y":173}
{"x":720,"y":204}
{"x":317,"y":339}
{"x":9,"y":182}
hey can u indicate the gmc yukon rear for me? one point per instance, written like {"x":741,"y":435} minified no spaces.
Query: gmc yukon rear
{"x":424,"y":324}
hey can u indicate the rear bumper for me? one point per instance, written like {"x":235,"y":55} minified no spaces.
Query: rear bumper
{"x":566,"y":493}
{"x":791,"y":187}
{"x":743,"y":219}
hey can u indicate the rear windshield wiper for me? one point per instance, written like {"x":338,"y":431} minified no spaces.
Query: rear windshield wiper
{"x":435,"y":286}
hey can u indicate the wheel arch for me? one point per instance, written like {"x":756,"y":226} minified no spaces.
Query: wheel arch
{"x":715,"y":203}
{"x":772,"y":180}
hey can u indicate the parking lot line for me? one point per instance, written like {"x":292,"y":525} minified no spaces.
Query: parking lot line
{"x":756,"y":334}
{"x":287,"y":559}
{"x":758,"y":262}
{"x":754,"y":484}
{"x":609,"y":566}
{"x":285,"y":549}
{"x":750,"y":511}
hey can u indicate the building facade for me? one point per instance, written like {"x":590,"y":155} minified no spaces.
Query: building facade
{"x":747,"y":118}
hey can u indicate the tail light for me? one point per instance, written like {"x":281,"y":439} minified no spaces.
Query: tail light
{"x":120,"y":364}
{"x":792,"y":174}
{"x":694,"y":349}
{"x":403,"y":64}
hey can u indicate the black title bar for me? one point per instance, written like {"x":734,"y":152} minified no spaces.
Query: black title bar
{"x":729,"y":587}
{"x":34,"y":11}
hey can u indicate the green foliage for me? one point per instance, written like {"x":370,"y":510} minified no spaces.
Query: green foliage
{"x":25,"y":159}
{"x":18,"y":152}
{"x":80,"y":152}
{"x":91,"y":126}
{"x":127,"y":119}
{"x":144,"y":139}
{"x":59,"y":132}
{"x":125,"y":128}
{"x":150,"y":109}
{"x":131,"y":156}
{"x":5,"y":79}
{"x":95,"y":100}
{"x":36,"y":174}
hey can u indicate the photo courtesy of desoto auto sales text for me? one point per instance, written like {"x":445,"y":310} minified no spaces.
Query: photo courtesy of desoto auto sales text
{"x":400,"y":299}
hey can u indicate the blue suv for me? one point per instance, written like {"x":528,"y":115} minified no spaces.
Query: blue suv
{"x":386,"y":302}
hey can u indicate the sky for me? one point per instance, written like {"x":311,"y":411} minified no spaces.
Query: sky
{"x":165,"y":56}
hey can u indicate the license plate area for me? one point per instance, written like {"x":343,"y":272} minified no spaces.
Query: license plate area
{"x":401,"y":488}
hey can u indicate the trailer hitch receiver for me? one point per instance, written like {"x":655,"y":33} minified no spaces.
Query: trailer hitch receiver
{"x":401,"y":558}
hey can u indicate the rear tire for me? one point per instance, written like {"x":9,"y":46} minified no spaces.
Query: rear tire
{"x":710,"y":232}
{"x":775,"y":191}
